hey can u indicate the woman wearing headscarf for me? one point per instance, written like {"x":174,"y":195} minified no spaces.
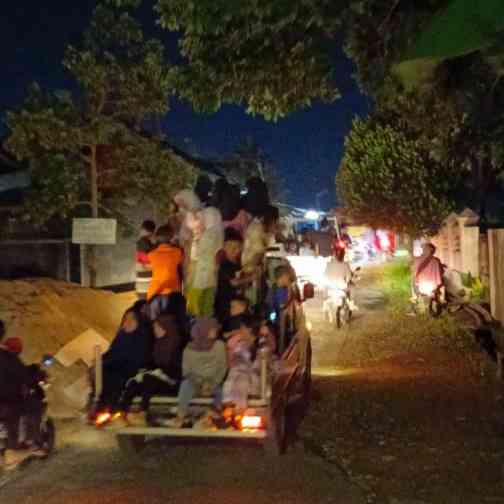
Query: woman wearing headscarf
{"x":130,"y":351}
{"x":257,"y":238}
{"x":186,"y":203}
{"x":202,"y":278}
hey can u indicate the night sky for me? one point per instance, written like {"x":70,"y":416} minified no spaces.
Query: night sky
{"x":306,"y":147}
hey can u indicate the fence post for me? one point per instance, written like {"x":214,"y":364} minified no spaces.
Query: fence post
{"x":496,"y":264}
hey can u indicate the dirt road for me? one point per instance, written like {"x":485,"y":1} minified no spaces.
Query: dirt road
{"x":406,"y":409}
{"x":409,"y":407}
{"x":89,"y":469}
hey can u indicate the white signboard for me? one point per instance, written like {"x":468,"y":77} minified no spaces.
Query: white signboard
{"x":94,"y":231}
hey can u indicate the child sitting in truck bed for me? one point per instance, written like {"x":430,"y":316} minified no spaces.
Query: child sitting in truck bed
{"x":243,"y":378}
{"x":204,"y":367}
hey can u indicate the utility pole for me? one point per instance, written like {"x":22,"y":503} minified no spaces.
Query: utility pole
{"x":91,"y":249}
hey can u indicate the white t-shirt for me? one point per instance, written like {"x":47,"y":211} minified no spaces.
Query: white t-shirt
{"x":338,"y":273}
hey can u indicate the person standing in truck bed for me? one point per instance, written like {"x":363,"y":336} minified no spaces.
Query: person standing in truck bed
{"x":143,"y":247}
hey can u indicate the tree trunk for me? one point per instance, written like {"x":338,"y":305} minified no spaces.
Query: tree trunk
{"x":94,"y":215}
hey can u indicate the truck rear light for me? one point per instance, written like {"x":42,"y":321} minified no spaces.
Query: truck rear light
{"x":102,"y":418}
{"x":251,"y":422}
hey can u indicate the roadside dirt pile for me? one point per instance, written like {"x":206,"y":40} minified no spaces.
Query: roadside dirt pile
{"x":47,"y":314}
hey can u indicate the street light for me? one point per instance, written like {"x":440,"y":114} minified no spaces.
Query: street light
{"x":312,"y":215}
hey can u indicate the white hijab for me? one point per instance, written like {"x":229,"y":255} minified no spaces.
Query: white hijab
{"x":188,"y":202}
{"x":211,"y":241}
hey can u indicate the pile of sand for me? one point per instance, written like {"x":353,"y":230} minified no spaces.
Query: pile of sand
{"x":47,"y":314}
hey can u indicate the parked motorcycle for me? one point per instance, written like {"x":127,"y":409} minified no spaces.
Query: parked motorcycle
{"x":37,"y":393}
{"x":429,"y":298}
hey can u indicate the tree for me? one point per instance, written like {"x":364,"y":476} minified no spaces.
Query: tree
{"x":271,"y":57}
{"x":389,"y":180}
{"x":452,"y":98}
{"x":85,"y":146}
{"x":249,"y":160}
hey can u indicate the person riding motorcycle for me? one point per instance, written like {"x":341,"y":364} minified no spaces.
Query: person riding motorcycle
{"x":428,"y":273}
{"x":338,"y":272}
{"x":16,"y":399}
{"x":339,"y":275}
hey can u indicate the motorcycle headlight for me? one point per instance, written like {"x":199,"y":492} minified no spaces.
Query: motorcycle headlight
{"x":426,"y":288}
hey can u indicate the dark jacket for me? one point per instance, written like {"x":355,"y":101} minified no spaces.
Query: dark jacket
{"x":14,"y":377}
{"x":168,"y":353}
{"x":130,"y":352}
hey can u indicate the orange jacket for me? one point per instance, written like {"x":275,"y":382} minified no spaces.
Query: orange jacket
{"x":165,"y":261}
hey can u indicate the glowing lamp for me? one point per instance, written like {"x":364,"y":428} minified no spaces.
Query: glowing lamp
{"x":251,"y":422}
{"x":384,"y":243}
{"x":102,"y":418}
{"x":426,"y":288}
{"x":312,"y":215}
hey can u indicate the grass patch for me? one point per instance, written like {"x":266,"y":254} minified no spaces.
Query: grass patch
{"x":395,"y":283}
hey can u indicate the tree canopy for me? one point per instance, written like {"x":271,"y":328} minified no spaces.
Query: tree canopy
{"x":271,"y":57}
{"x":389,"y":180}
{"x":453,"y":101}
{"x":85,"y":146}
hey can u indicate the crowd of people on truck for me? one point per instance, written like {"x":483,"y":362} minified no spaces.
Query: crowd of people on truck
{"x":207,"y":317}
{"x":202,"y":318}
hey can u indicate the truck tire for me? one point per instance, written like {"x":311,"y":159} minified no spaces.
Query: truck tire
{"x":275,"y":441}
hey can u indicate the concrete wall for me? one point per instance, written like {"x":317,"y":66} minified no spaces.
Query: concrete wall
{"x":115,"y":263}
{"x":458,"y":243}
{"x":23,"y":258}
{"x":496,"y":263}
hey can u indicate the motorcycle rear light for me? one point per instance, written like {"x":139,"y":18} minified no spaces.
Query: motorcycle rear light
{"x":251,"y":422}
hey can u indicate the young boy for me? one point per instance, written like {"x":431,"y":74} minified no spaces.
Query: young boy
{"x":230,"y":278}
{"x":166,"y":263}
{"x":280,"y":295}
{"x":143,"y":247}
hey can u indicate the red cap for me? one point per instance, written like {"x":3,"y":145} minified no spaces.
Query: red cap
{"x":14,"y":345}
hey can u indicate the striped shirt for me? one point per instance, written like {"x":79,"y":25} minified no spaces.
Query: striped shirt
{"x":143,"y":271}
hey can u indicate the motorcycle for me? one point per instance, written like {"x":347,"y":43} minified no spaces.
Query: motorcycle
{"x":428,"y":297}
{"x":338,"y":307}
{"x":47,"y":431}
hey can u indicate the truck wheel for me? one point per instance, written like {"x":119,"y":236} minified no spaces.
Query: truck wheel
{"x":130,"y":445}
{"x":274,"y":444}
